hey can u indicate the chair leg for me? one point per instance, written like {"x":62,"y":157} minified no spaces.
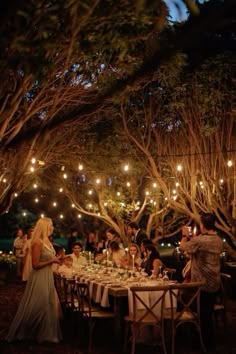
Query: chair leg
{"x":126,"y":335}
{"x":201,"y":341}
{"x":133,"y":328}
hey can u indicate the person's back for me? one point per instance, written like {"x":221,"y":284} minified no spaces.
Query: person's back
{"x":204,"y":252}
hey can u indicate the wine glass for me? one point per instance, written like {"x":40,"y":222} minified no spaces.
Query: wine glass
{"x":165,"y":276}
{"x":160,"y":272}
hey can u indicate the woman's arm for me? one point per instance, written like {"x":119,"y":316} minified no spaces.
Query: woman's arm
{"x":156,"y":264}
{"x":36,"y":251}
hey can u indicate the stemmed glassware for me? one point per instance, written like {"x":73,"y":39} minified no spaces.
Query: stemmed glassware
{"x":160,"y":273}
{"x":165,"y":276}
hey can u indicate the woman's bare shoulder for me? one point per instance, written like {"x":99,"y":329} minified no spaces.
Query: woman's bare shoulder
{"x":37,"y":243}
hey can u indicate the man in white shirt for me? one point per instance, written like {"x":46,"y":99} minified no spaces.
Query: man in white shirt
{"x":78,"y":259}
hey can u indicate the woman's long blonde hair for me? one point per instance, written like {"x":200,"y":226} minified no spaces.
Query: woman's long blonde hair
{"x":42,"y":229}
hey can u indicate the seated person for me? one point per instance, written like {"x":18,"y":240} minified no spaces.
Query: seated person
{"x":66,"y":269}
{"x":133,"y":257}
{"x":153,"y":261}
{"x":78,"y":259}
{"x":91,"y":244}
{"x":113,"y":253}
{"x":116,"y":253}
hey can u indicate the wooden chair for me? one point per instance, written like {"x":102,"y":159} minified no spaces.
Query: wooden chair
{"x":171,"y":272}
{"x":89,"y":312}
{"x":60,"y":289}
{"x":187,"y":311}
{"x":221,"y":306}
{"x":149,"y":315}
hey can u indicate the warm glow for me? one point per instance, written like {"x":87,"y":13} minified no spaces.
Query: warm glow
{"x":174,"y":191}
{"x":179,"y":168}
{"x":4,"y":180}
{"x":35,"y":186}
{"x":147,"y":193}
{"x":98,"y":180}
{"x":79,"y":216}
{"x":61,"y":216}
{"x":154,"y":185}
{"x":221,"y":181}
{"x":229,"y":163}
{"x":90,"y":206}
{"x":54,"y":204}
{"x":90,"y":192}
{"x":177,"y":184}
{"x":32,"y":169}
{"x":65,"y":176}
{"x":128,"y":184}
{"x":105,"y":204}
{"x":24,"y":214}
{"x":80,"y":167}
{"x":42,"y":215}
{"x":15,"y":194}
{"x":126,"y":168}
{"x":33,"y":160}
{"x":36,"y":200}
{"x":118,"y":194}
{"x":61,"y":190}
{"x":72,"y":205}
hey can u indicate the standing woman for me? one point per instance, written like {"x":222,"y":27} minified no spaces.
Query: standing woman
{"x":37,"y":317}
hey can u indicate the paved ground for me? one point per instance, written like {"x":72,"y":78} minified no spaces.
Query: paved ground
{"x":75,"y":340}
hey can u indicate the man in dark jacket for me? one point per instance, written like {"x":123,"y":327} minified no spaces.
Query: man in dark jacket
{"x":137,"y":235}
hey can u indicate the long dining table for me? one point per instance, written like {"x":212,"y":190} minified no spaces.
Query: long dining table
{"x":110,"y":288}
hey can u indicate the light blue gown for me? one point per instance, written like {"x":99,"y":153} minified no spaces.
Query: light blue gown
{"x":37,"y":317}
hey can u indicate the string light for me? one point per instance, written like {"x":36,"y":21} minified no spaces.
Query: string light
{"x":15,"y":195}
{"x":154,"y":185}
{"x":79,"y":216}
{"x":118,"y":194}
{"x":126,"y":168}
{"x":229,"y":163}
{"x":61,"y":216}
{"x":80,"y":167}
{"x":33,"y":160}
{"x":128,"y":184}
{"x":42,"y":215}
{"x":65,"y":176}
{"x":61,"y":190}
{"x":98,"y":181}
{"x":54,"y":204}
{"x":32,"y":169}
{"x":179,"y":168}
{"x":73,"y":205}
{"x":35,"y":186}
{"x":36,"y":200}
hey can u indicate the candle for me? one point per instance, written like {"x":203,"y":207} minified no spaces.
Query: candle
{"x":194,"y":231}
{"x":133,"y":261}
{"x":107,"y":256}
{"x":89,"y":257}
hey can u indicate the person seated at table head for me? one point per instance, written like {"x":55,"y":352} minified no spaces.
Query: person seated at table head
{"x":78,"y":258}
{"x":116,"y":253}
{"x":66,"y":269}
{"x":133,"y":252}
{"x":153,"y":262}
